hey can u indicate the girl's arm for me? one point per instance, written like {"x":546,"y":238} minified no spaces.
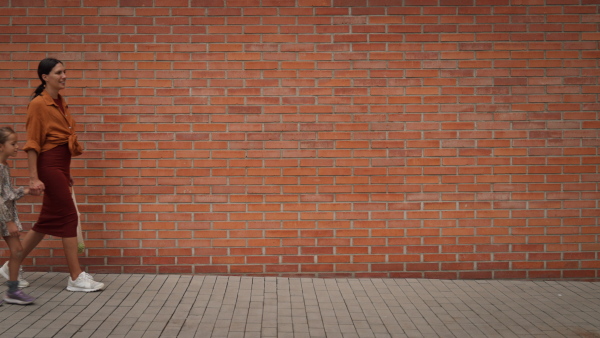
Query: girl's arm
{"x":7,"y":217}
{"x":5,"y":189}
{"x":12,"y":194}
{"x":8,"y":194}
{"x":9,"y":220}
{"x":5,"y":214}
{"x":36,"y":187}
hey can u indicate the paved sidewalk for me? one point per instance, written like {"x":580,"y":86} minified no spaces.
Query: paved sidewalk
{"x":220,"y":306}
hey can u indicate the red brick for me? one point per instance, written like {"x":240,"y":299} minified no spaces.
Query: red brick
{"x":352,"y":150}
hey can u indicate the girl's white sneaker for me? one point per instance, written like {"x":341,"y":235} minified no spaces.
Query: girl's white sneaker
{"x":4,"y":273}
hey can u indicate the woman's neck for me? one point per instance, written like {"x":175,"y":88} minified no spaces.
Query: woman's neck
{"x":53,"y":93}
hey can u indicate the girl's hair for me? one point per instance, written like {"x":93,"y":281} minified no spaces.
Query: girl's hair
{"x":45,"y":67}
{"x":5,"y":132}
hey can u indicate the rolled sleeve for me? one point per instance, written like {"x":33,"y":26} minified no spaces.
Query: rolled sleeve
{"x":36,"y":130}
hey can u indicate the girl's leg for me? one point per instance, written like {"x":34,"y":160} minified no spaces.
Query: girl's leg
{"x":16,"y":256}
{"x":70,"y":247}
{"x":14,"y":295}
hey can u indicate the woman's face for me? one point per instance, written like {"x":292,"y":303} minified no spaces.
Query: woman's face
{"x":57,"y":78}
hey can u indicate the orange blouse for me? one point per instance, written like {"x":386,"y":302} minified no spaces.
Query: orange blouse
{"x":47,"y":127}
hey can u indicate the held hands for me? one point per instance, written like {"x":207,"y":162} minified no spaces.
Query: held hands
{"x":36,"y":187}
{"x":12,"y":229}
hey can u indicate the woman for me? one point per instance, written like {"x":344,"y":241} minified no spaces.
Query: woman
{"x":51,"y":141}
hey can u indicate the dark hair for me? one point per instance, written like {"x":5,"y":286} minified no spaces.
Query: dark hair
{"x":5,"y":132}
{"x":45,"y":67}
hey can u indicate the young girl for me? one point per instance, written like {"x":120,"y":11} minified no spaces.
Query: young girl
{"x":9,"y":219}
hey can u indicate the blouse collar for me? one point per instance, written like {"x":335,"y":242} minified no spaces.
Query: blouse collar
{"x":49,"y":100}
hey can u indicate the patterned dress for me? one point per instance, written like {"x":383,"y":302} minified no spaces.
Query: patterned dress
{"x":8,"y":198}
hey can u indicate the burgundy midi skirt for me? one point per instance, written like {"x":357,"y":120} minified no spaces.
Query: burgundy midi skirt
{"x":59,"y":215}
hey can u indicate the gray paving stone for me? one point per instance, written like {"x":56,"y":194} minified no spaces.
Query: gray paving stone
{"x":219,"y":306}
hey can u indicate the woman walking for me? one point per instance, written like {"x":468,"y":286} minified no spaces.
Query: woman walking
{"x":51,"y":141}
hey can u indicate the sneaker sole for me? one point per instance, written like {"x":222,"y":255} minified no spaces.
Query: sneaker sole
{"x":16,"y":301}
{"x":74,"y":289}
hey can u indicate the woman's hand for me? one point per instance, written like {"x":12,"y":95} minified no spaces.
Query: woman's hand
{"x":71,"y":182}
{"x":12,"y":229}
{"x":36,"y":187}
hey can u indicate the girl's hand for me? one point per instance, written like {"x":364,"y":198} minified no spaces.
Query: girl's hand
{"x":36,"y":187}
{"x":12,"y":229}
{"x":26,"y":191}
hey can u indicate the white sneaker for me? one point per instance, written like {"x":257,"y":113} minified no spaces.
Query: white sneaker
{"x":85,"y":283}
{"x":5,"y":273}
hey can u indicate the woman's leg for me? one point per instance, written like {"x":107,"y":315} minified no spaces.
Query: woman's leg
{"x":70,"y":247}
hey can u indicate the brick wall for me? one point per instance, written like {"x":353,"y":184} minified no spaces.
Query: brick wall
{"x":381,"y":138}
